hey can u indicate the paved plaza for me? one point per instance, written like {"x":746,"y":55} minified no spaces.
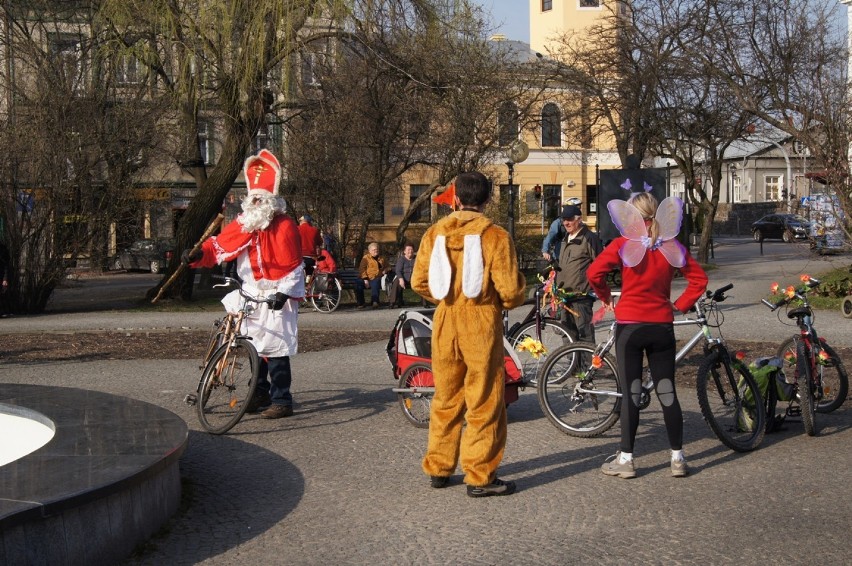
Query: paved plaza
{"x":340,"y":482}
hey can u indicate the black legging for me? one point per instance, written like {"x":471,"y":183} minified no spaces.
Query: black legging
{"x":658,"y":342}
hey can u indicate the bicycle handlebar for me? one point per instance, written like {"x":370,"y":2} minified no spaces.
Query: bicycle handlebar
{"x":228,"y":281}
{"x":784,"y":300}
{"x":719,"y":294}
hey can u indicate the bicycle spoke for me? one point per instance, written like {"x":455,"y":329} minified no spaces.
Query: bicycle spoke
{"x":227,"y":385}
{"x":586,"y":402}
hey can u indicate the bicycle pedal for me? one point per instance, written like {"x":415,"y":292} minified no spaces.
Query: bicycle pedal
{"x":191,"y":399}
{"x":793,"y":411}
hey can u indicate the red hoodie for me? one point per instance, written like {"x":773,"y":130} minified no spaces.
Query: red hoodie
{"x":646,"y":287}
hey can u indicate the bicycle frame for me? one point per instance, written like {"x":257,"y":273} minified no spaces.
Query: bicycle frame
{"x":228,"y":330}
{"x":702,"y":307}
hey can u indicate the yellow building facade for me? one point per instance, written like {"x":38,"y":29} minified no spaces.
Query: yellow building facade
{"x":555,"y":170}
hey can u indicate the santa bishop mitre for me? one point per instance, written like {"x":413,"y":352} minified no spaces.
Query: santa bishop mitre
{"x":268,"y":255}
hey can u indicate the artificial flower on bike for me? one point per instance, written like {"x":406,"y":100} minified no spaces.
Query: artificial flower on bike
{"x":533,"y":346}
{"x":553,"y":297}
{"x":790,"y":291}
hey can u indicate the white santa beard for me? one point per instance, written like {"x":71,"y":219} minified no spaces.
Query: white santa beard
{"x":257,"y":216}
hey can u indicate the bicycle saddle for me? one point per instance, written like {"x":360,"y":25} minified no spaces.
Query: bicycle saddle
{"x":798,"y":311}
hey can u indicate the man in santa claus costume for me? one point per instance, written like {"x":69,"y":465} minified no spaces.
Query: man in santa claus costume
{"x":267,"y":248}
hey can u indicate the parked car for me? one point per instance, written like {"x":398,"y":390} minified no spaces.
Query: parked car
{"x":149,"y":254}
{"x":788,"y":227}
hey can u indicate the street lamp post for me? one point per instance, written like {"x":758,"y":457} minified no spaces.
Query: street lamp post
{"x":516,"y":153}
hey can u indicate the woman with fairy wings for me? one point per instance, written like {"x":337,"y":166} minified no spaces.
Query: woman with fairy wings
{"x":648,"y":255}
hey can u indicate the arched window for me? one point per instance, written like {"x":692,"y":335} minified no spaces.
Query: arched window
{"x":551,"y":126}
{"x":507,"y":124}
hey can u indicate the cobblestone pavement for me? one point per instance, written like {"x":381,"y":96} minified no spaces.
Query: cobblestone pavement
{"x":340,"y":482}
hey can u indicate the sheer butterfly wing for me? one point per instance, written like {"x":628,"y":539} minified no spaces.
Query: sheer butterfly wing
{"x":632,"y":252}
{"x":627,"y":219}
{"x":669,"y":217}
{"x":674,"y":252}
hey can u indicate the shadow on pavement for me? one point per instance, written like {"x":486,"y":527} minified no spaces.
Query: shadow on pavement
{"x":233,"y":491}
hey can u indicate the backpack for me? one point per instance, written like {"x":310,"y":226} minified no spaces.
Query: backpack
{"x":767,"y":372}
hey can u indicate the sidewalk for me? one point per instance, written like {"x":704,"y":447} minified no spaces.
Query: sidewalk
{"x":737,"y":260}
{"x":340,"y":482}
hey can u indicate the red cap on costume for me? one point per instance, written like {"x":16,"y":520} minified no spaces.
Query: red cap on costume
{"x":262,"y":173}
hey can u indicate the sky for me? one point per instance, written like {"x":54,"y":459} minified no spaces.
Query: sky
{"x":512,"y":17}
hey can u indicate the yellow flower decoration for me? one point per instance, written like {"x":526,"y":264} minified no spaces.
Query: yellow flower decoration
{"x":790,"y":292}
{"x":774,"y":288}
{"x":823,"y":357}
{"x":805,"y":278}
{"x":533,"y":346}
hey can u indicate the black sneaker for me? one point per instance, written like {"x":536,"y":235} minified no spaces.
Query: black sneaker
{"x":439,"y":481}
{"x":496,"y":487}
{"x":258,"y":401}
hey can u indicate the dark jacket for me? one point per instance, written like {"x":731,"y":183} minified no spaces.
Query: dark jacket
{"x":575,"y":257}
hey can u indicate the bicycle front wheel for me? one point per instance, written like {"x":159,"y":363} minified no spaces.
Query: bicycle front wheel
{"x":554,"y":335}
{"x":328,"y":300}
{"x":580,"y":399}
{"x":832,"y":377}
{"x":806,"y":389}
{"x":227,"y":385}
{"x":731,"y":402}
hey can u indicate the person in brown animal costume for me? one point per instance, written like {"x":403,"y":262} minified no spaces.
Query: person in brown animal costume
{"x":468,"y":266}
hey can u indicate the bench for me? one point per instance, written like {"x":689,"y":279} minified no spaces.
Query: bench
{"x":348,"y":278}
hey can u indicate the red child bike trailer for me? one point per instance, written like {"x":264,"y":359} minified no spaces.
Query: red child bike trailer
{"x":409,"y":351}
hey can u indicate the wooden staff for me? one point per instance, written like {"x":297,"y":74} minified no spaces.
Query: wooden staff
{"x":207,"y":233}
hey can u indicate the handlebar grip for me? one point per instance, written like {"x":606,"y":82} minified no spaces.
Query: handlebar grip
{"x":719,"y":294}
{"x":768,"y":304}
{"x":727,"y":287}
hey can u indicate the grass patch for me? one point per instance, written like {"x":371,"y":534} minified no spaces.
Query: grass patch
{"x":834,"y":285}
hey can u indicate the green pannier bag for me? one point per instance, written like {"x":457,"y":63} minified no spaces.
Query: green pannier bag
{"x":767,"y":371}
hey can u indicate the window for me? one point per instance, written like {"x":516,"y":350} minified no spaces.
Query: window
{"x":423,"y":213}
{"x":532,"y":200}
{"x":311,"y":70}
{"x":772,"y":187}
{"x":546,"y":5}
{"x":507,"y":124}
{"x":67,"y":56}
{"x":205,"y":143}
{"x":590,"y":3}
{"x":551,"y":125}
{"x":261,"y":139}
{"x":128,"y":70}
{"x":504,"y":199}
{"x":551,"y":197}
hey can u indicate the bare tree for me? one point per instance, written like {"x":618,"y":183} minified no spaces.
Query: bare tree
{"x":404,"y":92}
{"x":74,"y":136}
{"x":785,"y":62}
{"x":611,"y":69}
{"x":697,"y":118}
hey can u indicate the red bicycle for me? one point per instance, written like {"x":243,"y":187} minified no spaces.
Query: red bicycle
{"x":821,"y":382}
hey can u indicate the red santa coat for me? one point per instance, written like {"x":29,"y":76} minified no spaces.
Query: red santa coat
{"x":268,"y":261}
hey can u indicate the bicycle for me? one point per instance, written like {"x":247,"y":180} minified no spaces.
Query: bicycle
{"x":819,"y":377}
{"x":587,"y":400}
{"x":548,"y":331}
{"x":229,"y":368}
{"x":323,"y":290}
